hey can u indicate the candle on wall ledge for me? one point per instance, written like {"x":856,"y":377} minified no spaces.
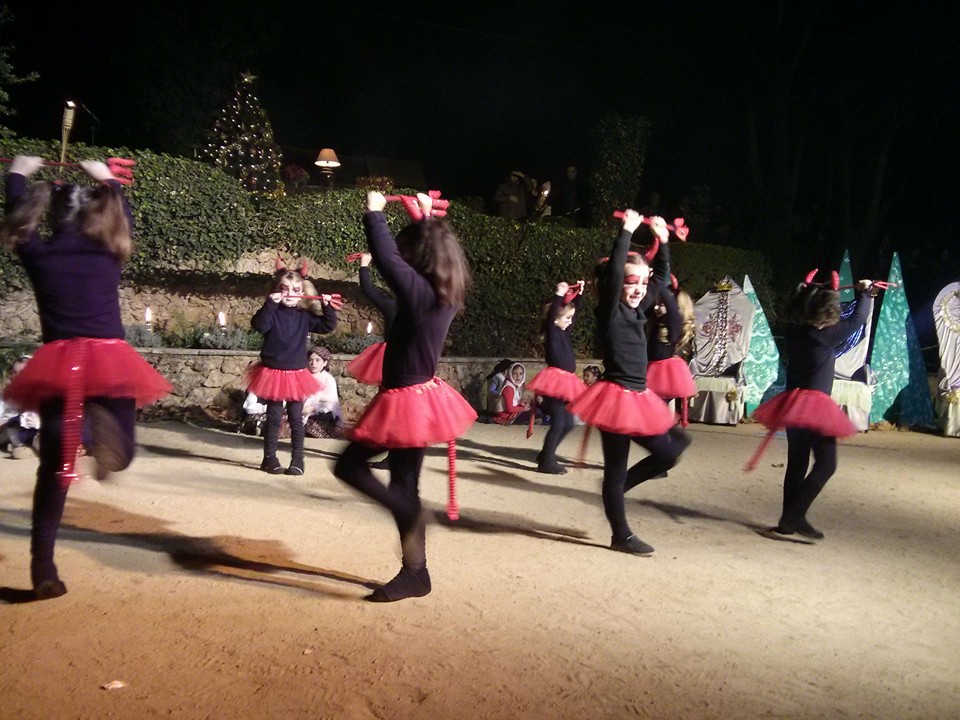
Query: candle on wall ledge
{"x":148,"y":318}
{"x":222,"y":320}
{"x":369,"y":328}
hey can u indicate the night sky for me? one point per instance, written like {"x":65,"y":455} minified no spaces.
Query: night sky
{"x":475,"y":91}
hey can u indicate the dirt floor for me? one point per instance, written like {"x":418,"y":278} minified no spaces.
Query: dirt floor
{"x":212,"y":590}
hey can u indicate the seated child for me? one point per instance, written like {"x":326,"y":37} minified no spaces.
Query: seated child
{"x":516,"y":407}
{"x":321,"y":411}
{"x":18,"y":429}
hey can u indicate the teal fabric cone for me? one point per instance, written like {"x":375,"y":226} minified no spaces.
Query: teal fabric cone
{"x":763,"y":370}
{"x":902,"y":395}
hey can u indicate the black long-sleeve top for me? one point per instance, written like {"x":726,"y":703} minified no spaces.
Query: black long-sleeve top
{"x":664,"y":329}
{"x":811,"y":357}
{"x":285,"y":330}
{"x":75,"y":279}
{"x":622,"y":329}
{"x":383,"y":301}
{"x":416,"y":336}
{"x":558,"y":347}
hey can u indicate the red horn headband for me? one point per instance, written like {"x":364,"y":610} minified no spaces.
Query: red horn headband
{"x":834,"y":278}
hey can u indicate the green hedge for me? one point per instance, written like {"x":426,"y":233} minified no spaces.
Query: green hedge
{"x":191,"y":216}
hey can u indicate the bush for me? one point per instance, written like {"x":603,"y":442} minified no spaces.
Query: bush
{"x":141,"y":336}
{"x":346,"y":344}
{"x":193,"y":220}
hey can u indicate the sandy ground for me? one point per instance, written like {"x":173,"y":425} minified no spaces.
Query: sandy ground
{"x":212,"y":590}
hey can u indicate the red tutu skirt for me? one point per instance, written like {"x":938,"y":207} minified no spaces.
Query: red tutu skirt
{"x":613,"y":408}
{"x":809,"y":409}
{"x":671,"y":378}
{"x":270,"y":384}
{"x":367,"y":367}
{"x":556,"y":383}
{"x":89,"y":367}
{"x":414,"y":416}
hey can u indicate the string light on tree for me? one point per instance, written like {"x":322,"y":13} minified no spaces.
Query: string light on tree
{"x":242,"y":142}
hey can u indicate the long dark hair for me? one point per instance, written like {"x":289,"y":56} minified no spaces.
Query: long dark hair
{"x":98,"y":213}
{"x":434,"y":251}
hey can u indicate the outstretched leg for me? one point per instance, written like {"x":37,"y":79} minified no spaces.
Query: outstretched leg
{"x":401,"y":497}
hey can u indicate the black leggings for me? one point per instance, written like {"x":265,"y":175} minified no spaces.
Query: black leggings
{"x":49,"y":495}
{"x":402,"y":496}
{"x":664,"y":451}
{"x":561,"y":423}
{"x":800,"y":488}
{"x":271,"y":433}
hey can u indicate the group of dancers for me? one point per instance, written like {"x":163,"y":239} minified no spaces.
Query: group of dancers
{"x":86,"y":381}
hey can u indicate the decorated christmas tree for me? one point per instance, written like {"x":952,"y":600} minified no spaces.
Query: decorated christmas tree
{"x":763,"y":369}
{"x":902,"y":395}
{"x":242,"y":143}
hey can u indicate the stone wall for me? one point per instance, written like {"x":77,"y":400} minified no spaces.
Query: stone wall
{"x":175,"y":309}
{"x":215,"y":379}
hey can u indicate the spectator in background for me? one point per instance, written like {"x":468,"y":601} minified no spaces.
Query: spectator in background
{"x":18,"y":429}
{"x":511,"y":196}
{"x":567,"y":197}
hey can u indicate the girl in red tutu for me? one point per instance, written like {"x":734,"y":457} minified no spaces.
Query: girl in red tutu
{"x":367,"y":367}
{"x":286,"y":321}
{"x":558,"y":383}
{"x":84,"y":380}
{"x":672,"y":327}
{"x":620,"y":404}
{"x":811,"y":417}
{"x":427,"y":272}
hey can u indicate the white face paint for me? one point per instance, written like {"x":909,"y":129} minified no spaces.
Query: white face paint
{"x":564,"y":320}
{"x":635,"y":279}
{"x":291,"y":293}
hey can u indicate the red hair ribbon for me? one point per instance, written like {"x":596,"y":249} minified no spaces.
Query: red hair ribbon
{"x":353,"y":257}
{"x":679,"y":227}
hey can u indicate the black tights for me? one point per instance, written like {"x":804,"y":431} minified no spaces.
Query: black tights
{"x":801,"y":488}
{"x":271,"y":433}
{"x":561,"y":423}
{"x":401,"y":496}
{"x":664,"y":451}
{"x":49,"y":495}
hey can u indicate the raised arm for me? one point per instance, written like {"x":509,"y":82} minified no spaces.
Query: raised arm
{"x":382,"y":300}
{"x":405,"y":282}
{"x":857,"y":319}
{"x":324,"y":323}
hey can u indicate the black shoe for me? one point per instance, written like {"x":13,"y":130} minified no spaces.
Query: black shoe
{"x":271,"y":465}
{"x":107,"y":447}
{"x":782,"y":529}
{"x":408,"y":583}
{"x":807,"y":530}
{"x":554,"y":469}
{"x":632,"y":545}
{"x":49,"y":589}
{"x":296,"y":468}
